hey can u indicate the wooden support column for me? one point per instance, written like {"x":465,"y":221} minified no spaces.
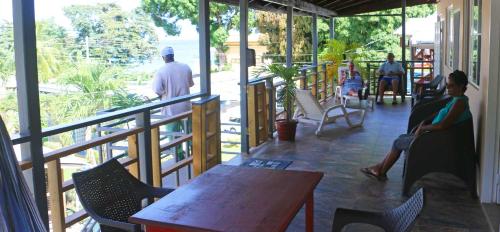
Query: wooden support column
{"x":243,"y":75}
{"x":204,"y":40}
{"x":28,"y":99}
{"x":206,"y":134}
{"x":289,"y":34}
{"x":54,"y":179}
{"x":257,"y":114}
{"x":332,"y":28}
{"x":403,"y":49}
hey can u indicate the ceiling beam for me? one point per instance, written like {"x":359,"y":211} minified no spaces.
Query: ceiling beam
{"x":268,"y":7}
{"x":307,"y":7}
{"x":380,"y":5}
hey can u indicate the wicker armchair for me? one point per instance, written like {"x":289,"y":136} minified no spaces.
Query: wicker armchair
{"x":110,"y":195}
{"x":448,"y":151}
{"x":400,"y":219}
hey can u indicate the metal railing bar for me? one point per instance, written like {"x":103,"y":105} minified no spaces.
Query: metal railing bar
{"x":115,"y":115}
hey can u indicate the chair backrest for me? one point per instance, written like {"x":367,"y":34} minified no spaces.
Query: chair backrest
{"x":308,"y":104}
{"x":421,"y":112}
{"x":18,"y":211}
{"x":109,"y":191}
{"x":402,"y":218}
{"x":436,"y":81}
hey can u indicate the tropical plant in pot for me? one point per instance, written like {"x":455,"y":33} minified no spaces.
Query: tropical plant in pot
{"x":286,"y":127}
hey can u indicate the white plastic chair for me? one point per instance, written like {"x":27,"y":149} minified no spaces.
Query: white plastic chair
{"x":310,"y":111}
{"x":346,"y":99}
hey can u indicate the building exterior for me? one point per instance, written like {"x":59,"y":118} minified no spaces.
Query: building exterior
{"x":468,"y":39}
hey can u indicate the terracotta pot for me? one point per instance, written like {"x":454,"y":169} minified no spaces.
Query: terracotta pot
{"x":286,"y":129}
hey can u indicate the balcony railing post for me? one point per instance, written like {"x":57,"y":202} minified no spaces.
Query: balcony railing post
{"x":314,"y":89}
{"x":54,"y":179}
{"x":143,"y":120}
{"x":206,"y":134}
{"x":133,"y":154}
{"x":303,"y":80}
{"x":271,"y":112}
{"x":155,"y":156}
{"x":325,"y":82}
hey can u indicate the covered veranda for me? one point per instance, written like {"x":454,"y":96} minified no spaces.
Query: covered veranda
{"x":339,"y":153}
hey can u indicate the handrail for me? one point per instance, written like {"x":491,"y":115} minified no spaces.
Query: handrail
{"x":69,"y":150}
{"x":109,"y":116}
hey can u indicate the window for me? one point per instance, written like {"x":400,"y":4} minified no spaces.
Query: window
{"x":453,"y":45}
{"x":475,"y":41}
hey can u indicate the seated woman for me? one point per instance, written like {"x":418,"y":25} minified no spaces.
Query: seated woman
{"x":352,"y":83}
{"x":456,"y":111}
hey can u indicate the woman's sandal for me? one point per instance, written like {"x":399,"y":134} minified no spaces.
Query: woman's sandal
{"x":369,"y":172}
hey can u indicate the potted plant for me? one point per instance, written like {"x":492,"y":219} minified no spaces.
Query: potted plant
{"x":286,"y":127}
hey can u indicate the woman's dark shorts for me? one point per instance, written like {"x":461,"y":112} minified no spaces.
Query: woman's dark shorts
{"x":403,"y":142}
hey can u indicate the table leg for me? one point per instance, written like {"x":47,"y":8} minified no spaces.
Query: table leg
{"x":310,"y":213}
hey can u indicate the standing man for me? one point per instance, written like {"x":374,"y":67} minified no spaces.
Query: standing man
{"x":391,"y":73}
{"x":173,"y":80}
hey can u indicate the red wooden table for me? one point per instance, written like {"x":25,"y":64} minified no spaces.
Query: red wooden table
{"x":233,"y":198}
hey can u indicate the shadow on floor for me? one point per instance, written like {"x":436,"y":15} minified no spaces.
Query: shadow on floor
{"x":340,"y":152}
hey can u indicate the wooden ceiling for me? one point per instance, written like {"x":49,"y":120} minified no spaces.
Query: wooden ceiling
{"x":329,"y":8}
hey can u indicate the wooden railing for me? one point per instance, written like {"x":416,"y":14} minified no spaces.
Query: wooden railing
{"x":199,"y":157}
{"x":263,"y":109}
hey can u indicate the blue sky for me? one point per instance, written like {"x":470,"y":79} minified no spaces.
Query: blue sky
{"x":45,"y":9}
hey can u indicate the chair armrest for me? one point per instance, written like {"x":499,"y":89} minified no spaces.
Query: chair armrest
{"x":344,"y":217}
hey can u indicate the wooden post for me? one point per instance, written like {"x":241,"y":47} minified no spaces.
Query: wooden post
{"x":54,"y":179}
{"x":303,"y":80}
{"x":156,"y":156}
{"x":314,"y":87}
{"x":206,"y":134}
{"x":257,"y":112}
{"x":325,"y":82}
{"x":133,"y":154}
{"x":253,"y":119}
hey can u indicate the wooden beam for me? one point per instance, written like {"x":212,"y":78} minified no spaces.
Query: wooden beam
{"x":378,"y":6}
{"x":306,"y":6}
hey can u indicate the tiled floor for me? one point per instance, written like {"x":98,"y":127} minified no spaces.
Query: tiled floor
{"x":340,"y":153}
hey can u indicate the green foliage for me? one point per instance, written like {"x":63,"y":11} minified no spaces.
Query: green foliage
{"x":115,"y":36}
{"x":286,"y":95}
{"x":223,"y":18}
{"x":7,"y":66}
{"x":375,"y":33}
{"x":52,"y":47}
{"x":273,"y":26}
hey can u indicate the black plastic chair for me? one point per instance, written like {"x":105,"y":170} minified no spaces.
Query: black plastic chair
{"x":435,"y":89}
{"x":110,"y":195}
{"x":389,"y":88}
{"x":423,"y":111}
{"x":400,"y":219}
{"x":447,"y":151}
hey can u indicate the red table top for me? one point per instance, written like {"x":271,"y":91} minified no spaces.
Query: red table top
{"x":233,"y":198}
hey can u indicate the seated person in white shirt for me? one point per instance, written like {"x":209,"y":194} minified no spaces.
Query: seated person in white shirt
{"x":391,"y":72}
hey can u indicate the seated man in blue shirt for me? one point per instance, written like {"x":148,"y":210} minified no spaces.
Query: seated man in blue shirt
{"x":352,"y":83}
{"x":391,"y":72}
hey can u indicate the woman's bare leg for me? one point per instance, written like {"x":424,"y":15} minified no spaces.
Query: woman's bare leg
{"x":381,"y":168}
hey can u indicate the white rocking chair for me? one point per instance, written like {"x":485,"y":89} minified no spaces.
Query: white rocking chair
{"x":310,"y":111}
